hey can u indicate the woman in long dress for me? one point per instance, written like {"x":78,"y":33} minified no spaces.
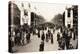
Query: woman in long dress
{"x":51,"y":38}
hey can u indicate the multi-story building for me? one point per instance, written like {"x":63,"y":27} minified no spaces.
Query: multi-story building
{"x":75,"y":19}
{"x":14,"y":15}
{"x":25,"y":14}
{"x":70,"y":18}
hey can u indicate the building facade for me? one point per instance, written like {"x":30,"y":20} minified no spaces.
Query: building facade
{"x":69,"y":18}
{"x":14,"y":15}
{"x":25,"y":14}
{"x":75,"y":19}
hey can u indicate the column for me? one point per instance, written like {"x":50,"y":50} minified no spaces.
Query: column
{"x":71,"y":18}
{"x":66,"y":17}
{"x":12,"y":15}
{"x":29,"y":20}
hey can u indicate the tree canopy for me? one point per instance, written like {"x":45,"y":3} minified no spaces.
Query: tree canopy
{"x":58,"y":19}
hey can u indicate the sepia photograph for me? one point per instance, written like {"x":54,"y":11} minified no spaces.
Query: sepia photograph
{"x":41,"y":26}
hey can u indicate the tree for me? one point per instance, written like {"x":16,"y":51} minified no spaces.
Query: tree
{"x":36,"y":20}
{"x":58,"y":19}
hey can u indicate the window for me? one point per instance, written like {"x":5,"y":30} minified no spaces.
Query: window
{"x":69,"y":26}
{"x":68,"y":12}
{"x":25,"y":12}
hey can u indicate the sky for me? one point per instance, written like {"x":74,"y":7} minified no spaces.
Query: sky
{"x":47,"y":10}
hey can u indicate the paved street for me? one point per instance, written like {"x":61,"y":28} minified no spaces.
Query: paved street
{"x":33,"y":46}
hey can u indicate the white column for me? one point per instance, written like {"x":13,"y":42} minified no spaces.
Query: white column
{"x":29,"y":15}
{"x":71,"y":18}
{"x":21,"y":18}
{"x":11,"y":14}
{"x":29,"y":20}
{"x":66,"y":17}
{"x":22,"y":15}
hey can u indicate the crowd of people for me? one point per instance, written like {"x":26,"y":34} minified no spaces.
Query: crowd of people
{"x":47,"y":37}
{"x":64,"y":37}
{"x":21,"y":37}
{"x":64,"y":40}
{"x":18,"y":37}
